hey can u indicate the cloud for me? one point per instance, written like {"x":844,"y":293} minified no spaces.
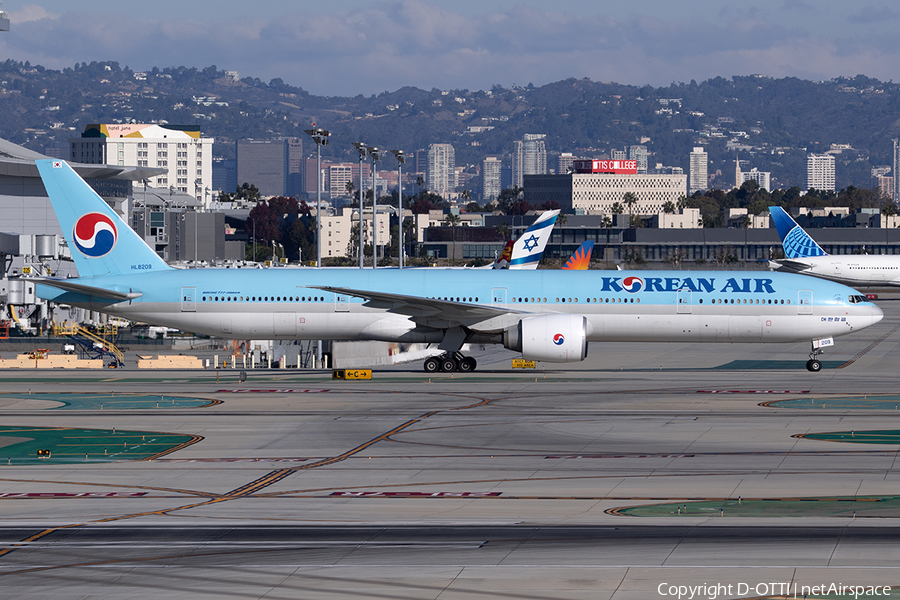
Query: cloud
{"x":874,"y":14}
{"x":386,"y":46}
{"x":29,"y":13}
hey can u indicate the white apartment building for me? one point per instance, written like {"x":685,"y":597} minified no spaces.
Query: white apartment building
{"x":338,"y":176}
{"x":441,"y":174}
{"x":183,"y":152}
{"x":820,"y":172}
{"x":699,"y":170}
{"x":491,"y":170}
{"x":336,"y":230}
{"x":762,"y":178}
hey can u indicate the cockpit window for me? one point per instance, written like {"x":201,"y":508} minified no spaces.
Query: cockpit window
{"x":855,"y":299}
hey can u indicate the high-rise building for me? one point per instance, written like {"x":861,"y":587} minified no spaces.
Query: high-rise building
{"x":275,"y":167}
{"x":491,"y":170}
{"x":224,"y":175}
{"x":441,"y":174}
{"x":566,"y":160}
{"x":762,"y":178}
{"x":895,"y":196}
{"x":698,"y":173}
{"x":338,"y":176}
{"x":618,"y":155}
{"x":186,"y":156}
{"x":820,"y":172}
{"x":639,"y":154}
{"x":529,"y":157}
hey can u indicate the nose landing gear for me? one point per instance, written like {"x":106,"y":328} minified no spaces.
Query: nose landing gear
{"x":814,"y":364}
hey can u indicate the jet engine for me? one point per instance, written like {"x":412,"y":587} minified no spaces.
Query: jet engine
{"x":549,"y":338}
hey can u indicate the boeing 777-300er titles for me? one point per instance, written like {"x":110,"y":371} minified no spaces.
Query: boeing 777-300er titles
{"x":804,"y":255}
{"x":547,"y":315}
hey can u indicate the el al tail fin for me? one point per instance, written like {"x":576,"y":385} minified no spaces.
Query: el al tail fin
{"x":581,"y":259}
{"x":100,"y":241}
{"x":795,"y":241}
{"x":529,"y":248}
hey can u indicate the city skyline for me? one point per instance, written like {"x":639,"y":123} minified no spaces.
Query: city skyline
{"x":372,"y":47}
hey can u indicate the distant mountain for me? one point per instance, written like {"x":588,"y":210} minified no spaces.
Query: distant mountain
{"x":771,"y":124}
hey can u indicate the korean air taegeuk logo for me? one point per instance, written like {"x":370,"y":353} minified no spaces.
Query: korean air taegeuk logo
{"x":94,"y":235}
{"x":632,"y":284}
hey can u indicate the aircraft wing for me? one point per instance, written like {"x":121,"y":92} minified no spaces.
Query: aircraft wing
{"x":88,"y":290}
{"x":431,"y":312}
{"x":794,"y":265}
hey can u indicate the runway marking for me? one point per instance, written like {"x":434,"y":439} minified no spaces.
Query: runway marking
{"x":885,"y":436}
{"x":112,"y":485}
{"x":870,"y":347}
{"x":417,"y":494}
{"x":271,"y":391}
{"x":258,"y":484}
{"x":869,"y":507}
{"x":752,"y":391}
{"x":72,"y":494}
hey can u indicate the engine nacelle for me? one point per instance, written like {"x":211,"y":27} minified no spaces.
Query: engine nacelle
{"x":549,"y":338}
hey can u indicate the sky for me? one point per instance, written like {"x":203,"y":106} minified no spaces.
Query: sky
{"x":352,"y":47}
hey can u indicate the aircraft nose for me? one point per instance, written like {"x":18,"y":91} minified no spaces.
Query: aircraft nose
{"x":877,"y":314}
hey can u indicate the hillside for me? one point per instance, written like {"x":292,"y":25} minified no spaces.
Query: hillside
{"x":770,"y":123}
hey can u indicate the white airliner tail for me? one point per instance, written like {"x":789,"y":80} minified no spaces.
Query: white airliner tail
{"x":529,"y":248}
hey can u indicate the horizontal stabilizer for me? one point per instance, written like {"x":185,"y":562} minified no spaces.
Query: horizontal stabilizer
{"x":88,"y":290}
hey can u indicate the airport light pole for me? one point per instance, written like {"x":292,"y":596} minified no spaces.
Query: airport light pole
{"x":401,"y":159}
{"x":320,"y":137}
{"x":363,"y":154}
{"x":375,"y":153}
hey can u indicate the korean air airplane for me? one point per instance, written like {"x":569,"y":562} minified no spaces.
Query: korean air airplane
{"x":547,"y":315}
{"x":804,"y":255}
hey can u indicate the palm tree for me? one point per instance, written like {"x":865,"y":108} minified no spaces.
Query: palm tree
{"x":350,"y":188}
{"x":629,"y":199}
{"x":669,"y":207}
{"x":453,"y":220}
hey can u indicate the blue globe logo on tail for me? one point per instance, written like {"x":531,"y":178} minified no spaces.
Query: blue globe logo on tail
{"x":559,"y":339}
{"x":94,"y":235}
{"x":632,"y":285}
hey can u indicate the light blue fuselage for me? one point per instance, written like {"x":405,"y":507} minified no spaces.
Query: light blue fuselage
{"x":661,"y":306}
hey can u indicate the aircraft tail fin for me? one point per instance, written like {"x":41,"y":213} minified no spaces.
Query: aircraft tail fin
{"x":100,"y":241}
{"x":795,"y":241}
{"x":502,"y":261}
{"x":529,"y":248}
{"x":581,"y":259}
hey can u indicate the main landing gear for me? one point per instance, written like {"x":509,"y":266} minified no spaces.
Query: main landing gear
{"x":451,"y":361}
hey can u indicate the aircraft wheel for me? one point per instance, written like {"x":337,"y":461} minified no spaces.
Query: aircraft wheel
{"x":448,"y":364}
{"x":467,"y":364}
{"x":432,"y":365}
{"x":813,"y":365}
